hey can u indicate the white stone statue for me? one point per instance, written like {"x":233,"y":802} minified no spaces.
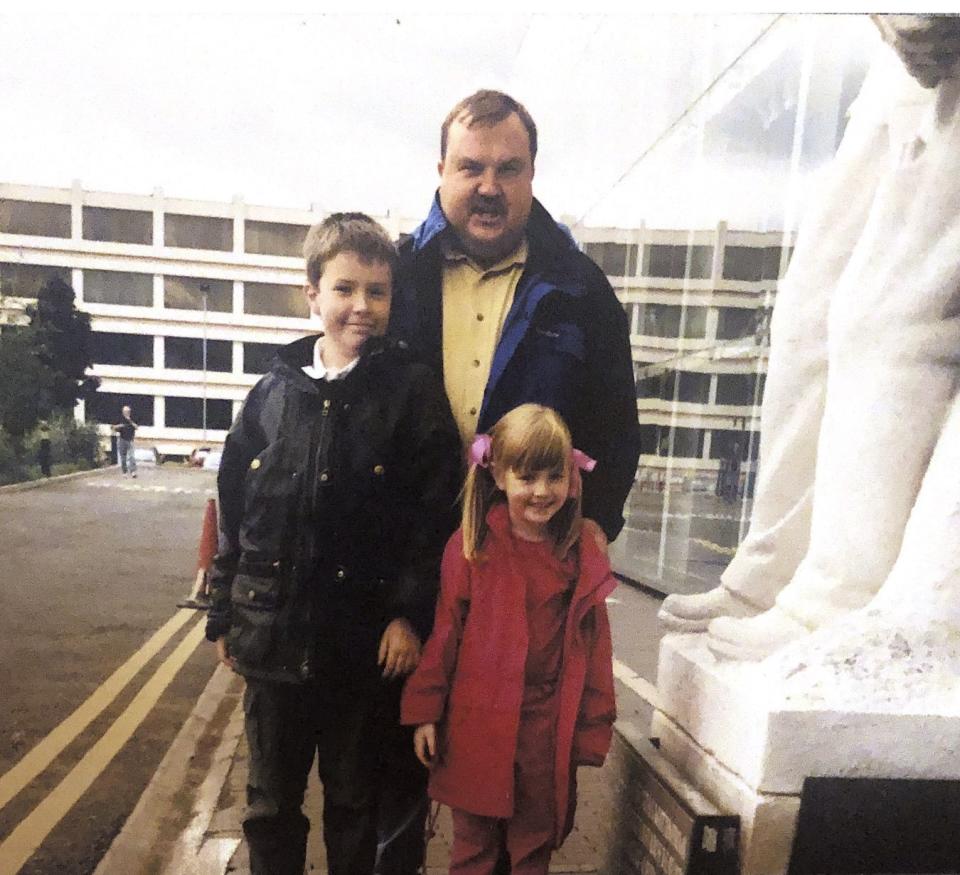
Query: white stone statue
{"x":857,"y":508}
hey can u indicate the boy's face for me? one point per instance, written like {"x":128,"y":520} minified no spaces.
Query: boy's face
{"x":352,"y":299}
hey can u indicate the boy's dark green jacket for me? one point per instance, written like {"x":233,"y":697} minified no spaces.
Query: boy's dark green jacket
{"x":336,"y":501}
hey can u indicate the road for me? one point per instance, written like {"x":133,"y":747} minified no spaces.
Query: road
{"x":92,"y":568}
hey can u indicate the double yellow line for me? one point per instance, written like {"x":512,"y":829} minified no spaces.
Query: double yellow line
{"x":30,"y":833}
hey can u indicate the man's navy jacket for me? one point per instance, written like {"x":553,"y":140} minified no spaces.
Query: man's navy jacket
{"x":565,"y":344}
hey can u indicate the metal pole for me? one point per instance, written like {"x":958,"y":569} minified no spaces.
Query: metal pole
{"x":204,"y":288}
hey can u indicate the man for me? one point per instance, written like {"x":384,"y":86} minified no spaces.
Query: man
{"x":125,"y":430}
{"x":495,"y":295}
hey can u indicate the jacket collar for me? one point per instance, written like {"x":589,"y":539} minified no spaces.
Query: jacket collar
{"x":545,"y":236}
{"x":595,"y":581}
{"x":292,"y":357}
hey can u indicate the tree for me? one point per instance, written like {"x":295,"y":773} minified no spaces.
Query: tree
{"x":25,"y":382}
{"x":64,"y":344}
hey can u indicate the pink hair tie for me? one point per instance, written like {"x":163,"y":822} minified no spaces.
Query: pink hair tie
{"x":480,"y":451}
{"x":582,"y":461}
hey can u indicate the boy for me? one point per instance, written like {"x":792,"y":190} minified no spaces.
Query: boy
{"x":338,"y":489}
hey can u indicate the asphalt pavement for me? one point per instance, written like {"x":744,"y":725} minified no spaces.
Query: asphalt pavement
{"x":125,"y":751}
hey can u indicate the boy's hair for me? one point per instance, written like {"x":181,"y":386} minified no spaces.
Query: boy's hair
{"x":347,"y":232}
{"x":488,"y":108}
{"x":528,"y":439}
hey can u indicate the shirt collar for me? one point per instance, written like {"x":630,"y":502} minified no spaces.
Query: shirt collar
{"x":319,"y":371}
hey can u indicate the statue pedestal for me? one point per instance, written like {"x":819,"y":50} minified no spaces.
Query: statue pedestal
{"x":859,"y":700}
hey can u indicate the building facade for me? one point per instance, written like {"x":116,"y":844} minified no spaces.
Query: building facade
{"x":699,"y":304}
{"x":189,"y":299}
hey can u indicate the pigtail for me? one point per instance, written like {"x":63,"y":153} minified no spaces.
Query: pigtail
{"x":479,"y":491}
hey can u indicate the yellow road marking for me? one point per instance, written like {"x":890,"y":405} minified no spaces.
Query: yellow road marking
{"x":53,"y":744}
{"x":716,"y":548}
{"x":30,"y":833}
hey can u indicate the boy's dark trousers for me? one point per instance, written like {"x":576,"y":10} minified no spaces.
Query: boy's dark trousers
{"x":373,"y":786}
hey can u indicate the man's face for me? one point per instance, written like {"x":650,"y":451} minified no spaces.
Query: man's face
{"x":126,"y":412}
{"x":486,"y":186}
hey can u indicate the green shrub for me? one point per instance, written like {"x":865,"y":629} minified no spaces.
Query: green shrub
{"x":70,"y":442}
{"x":12,"y":469}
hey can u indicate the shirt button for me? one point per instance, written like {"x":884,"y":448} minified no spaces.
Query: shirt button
{"x":479,"y":317}
{"x":473,"y":411}
{"x":324,"y":477}
{"x":476,"y":363}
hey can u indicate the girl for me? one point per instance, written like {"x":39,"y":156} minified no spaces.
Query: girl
{"x":515,"y":686}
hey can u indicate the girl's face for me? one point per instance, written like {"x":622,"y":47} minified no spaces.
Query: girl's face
{"x":533,"y":498}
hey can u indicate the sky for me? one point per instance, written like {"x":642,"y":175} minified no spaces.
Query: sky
{"x":668,"y":120}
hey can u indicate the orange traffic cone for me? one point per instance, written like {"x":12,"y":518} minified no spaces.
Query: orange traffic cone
{"x":199,"y":597}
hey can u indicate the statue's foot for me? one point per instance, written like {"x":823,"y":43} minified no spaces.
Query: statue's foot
{"x":693,"y":613}
{"x":752,"y":639}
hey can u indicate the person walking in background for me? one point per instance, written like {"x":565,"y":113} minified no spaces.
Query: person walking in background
{"x":514,"y":690}
{"x":126,"y":452}
{"x":43,"y":449}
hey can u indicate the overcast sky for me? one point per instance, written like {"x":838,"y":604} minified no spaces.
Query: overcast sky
{"x":344,"y":110}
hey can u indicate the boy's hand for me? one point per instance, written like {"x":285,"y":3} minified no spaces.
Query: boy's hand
{"x":224,"y":655}
{"x":425,"y":743}
{"x":399,"y":649}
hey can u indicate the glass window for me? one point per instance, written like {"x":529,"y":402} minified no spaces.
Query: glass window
{"x":188,"y":293}
{"x":614,"y":259}
{"x":117,"y":226}
{"x":735,"y":322}
{"x":26,"y":280}
{"x":118,"y":287}
{"x":676,"y":262}
{"x":687,"y":442}
{"x":198,"y":232}
{"x":105,"y":407}
{"x":111,"y":348}
{"x":663,"y":320}
{"x":736,"y":389}
{"x":751,"y":263}
{"x":273,"y":299}
{"x":274,"y":238}
{"x":34,"y":218}
{"x":693,"y":388}
{"x":649,"y":439}
{"x":188,"y":413}
{"x":186,"y":353}
{"x":258,"y":356}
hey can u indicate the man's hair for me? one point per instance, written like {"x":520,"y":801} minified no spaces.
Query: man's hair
{"x":488,"y":108}
{"x":347,"y":232}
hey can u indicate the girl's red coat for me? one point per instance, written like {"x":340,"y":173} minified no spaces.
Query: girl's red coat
{"x":470,"y":678}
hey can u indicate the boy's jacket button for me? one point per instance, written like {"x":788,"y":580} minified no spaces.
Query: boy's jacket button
{"x":255,"y":464}
{"x":378,"y":470}
{"x":341,"y":574}
{"x":324,"y":477}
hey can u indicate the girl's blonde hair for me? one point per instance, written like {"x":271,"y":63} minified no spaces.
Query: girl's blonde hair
{"x":528,"y":439}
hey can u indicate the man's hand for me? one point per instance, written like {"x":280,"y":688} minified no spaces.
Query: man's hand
{"x":425,"y":743}
{"x":591,"y":529}
{"x":399,"y":649}
{"x":224,"y":655}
